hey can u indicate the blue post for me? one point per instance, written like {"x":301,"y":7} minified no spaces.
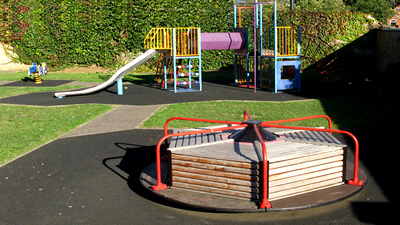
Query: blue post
{"x":200,"y":73}
{"x":275,"y":52}
{"x":165,"y":72}
{"x":119,"y":87}
{"x":234,"y":16}
{"x":190,"y":72}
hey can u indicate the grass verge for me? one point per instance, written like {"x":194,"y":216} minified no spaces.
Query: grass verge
{"x":24,"y":127}
{"x":12,"y":91}
{"x":346,"y":113}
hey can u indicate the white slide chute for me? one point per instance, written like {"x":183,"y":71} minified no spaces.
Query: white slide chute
{"x":118,"y":75}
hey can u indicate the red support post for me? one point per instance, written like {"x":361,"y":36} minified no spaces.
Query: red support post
{"x":264,"y":203}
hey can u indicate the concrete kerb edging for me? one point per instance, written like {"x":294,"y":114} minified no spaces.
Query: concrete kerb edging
{"x":117,"y":119}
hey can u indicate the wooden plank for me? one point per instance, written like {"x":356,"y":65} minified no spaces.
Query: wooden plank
{"x":172,"y":142}
{"x":292,"y":148}
{"x":217,"y":137}
{"x":185,"y":141}
{"x":276,"y":182}
{"x":179,"y":141}
{"x":198,"y":139}
{"x":186,"y":146}
{"x":232,"y":163}
{"x":297,"y":172}
{"x":288,"y":150}
{"x":216,"y":173}
{"x":275,"y":165}
{"x":214,"y":184}
{"x":305,"y":189}
{"x":211,"y":166}
{"x":204,"y":138}
{"x":305,"y":182}
{"x":281,"y":156}
{"x":226,"y":150}
{"x":210,"y":138}
{"x":312,"y":137}
{"x":298,"y":154}
{"x":214,"y":190}
{"x":305,"y":165}
{"x":224,"y":180}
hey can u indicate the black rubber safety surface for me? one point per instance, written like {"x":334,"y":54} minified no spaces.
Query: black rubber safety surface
{"x":94,"y":179}
{"x":28,"y":82}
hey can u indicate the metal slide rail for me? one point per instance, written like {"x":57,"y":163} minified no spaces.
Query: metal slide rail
{"x":264,"y":203}
{"x":118,"y":75}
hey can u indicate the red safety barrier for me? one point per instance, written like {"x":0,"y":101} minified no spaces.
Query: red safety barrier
{"x":264,"y":203}
{"x":355,"y":180}
{"x":160,"y":185}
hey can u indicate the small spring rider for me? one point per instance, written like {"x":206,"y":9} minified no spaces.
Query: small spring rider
{"x":37,"y":72}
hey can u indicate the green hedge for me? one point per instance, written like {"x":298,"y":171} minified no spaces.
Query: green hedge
{"x":102,"y":32}
{"x":323,"y":33}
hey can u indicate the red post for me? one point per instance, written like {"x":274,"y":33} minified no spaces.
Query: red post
{"x":264,"y":201}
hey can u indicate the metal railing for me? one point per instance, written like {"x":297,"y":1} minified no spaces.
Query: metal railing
{"x":159,"y":38}
{"x":288,"y":41}
{"x":264,"y":202}
{"x":182,"y":41}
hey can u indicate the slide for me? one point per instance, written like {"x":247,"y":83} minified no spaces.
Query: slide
{"x":118,"y":75}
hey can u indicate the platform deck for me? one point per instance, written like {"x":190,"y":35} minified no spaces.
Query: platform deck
{"x":298,"y":162}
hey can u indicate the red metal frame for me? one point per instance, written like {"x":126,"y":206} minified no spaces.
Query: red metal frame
{"x":264,"y":203}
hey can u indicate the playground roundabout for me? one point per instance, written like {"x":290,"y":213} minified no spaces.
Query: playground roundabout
{"x":253,"y":166}
{"x":203,"y":201}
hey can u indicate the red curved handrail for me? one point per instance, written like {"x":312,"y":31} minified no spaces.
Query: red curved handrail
{"x":300,"y":118}
{"x":264,"y":201}
{"x":355,"y":180}
{"x":160,"y":185}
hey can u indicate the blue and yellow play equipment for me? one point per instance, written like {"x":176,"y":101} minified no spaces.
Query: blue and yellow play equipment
{"x":275,"y":59}
{"x":37,"y":72}
{"x":182,"y":43}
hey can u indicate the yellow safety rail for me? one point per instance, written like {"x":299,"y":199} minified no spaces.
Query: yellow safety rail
{"x":159,"y":38}
{"x":288,"y":41}
{"x":186,"y":39}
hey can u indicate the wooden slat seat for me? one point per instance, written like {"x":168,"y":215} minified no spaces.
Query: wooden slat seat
{"x":299,"y":162}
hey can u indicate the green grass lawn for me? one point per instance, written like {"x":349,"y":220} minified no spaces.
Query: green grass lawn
{"x":23,"y":128}
{"x":82,"y":77}
{"x":12,"y":91}
{"x":346,"y":113}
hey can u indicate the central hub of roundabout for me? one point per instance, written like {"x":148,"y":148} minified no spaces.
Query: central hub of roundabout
{"x":253,"y":166}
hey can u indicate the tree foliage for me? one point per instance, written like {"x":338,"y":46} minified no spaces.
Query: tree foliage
{"x":86,"y":32}
{"x":321,"y":5}
{"x":379,"y":9}
{"x":107,"y":32}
